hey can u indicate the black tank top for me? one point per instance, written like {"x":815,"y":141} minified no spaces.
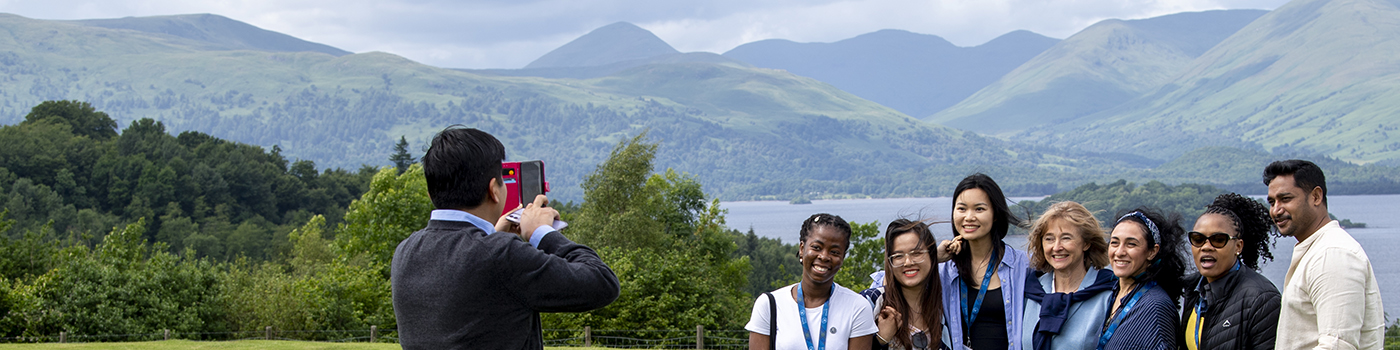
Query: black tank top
{"x":988,"y":331}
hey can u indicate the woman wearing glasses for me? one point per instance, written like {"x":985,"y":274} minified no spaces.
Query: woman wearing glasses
{"x":1147,"y":254}
{"x":909,"y":309}
{"x":984,"y":283}
{"x":1066,"y":304}
{"x":815,"y":313}
{"x":1229,"y":305}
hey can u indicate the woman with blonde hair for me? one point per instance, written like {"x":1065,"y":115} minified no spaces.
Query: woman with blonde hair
{"x":1067,"y":293}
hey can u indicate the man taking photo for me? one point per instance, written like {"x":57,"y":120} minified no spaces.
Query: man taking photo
{"x":464,"y":283}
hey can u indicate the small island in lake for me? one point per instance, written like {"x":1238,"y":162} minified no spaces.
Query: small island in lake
{"x":800,"y":200}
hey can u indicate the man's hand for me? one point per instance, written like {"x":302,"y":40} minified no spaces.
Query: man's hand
{"x":505,"y":225}
{"x":535,"y":216}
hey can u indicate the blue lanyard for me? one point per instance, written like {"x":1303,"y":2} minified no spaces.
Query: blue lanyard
{"x":1123,"y":313}
{"x":970,"y":316}
{"x":1202,"y":306}
{"x":802,"y":313}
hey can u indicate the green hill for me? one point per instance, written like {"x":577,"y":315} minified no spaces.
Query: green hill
{"x":745,"y":131}
{"x":917,"y":74}
{"x":1098,"y":68}
{"x":217,"y":32}
{"x":612,"y":43}
{"x":1313,"y":76}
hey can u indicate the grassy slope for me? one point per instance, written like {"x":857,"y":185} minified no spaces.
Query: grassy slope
{"x":1314,"y":75}
{"x":1100,"y":67}
{"x":717,"y":120}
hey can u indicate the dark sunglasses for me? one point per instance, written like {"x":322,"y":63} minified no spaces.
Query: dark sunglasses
{"x":1217,"y":240}
{"x":919,"y":340}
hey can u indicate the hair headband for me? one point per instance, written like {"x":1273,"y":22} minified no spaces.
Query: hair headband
{"x":1151,"y":227}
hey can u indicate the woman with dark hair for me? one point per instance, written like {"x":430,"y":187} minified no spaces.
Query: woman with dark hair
{"x":909,"y":307}
{"x":1146,"y":253}
{"x":1228,"y":307}
{"x":983,"y":278}
{"x":803,"y":315}
{"x":1068,"y":295}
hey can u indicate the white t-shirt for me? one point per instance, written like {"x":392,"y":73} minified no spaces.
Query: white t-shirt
{"x":849,"y":317}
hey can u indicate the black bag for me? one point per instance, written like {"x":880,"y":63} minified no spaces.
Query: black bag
{"x":772,"y":321}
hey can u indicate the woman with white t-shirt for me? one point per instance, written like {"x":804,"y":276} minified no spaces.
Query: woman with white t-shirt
{"x":814,"y":314}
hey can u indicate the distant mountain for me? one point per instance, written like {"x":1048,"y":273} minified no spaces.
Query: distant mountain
{"x":591,"y":72}
{"x":1100,"y":67}
{"x":1314,"y":76}
{"x":613,"y":43}
{"x":744,"y":132}
{"x":217,"y":32}
{"x":917,"y":74}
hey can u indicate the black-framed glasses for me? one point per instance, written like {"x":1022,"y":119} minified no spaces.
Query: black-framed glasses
{"x":913,"y":257}
{"x":1218,"y":239}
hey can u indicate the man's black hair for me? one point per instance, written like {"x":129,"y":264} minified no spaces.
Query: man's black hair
{"x":459,"y":166}
{"x":1306,"y":175}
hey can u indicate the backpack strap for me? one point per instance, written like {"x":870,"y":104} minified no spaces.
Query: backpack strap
{"x":772,"y":321}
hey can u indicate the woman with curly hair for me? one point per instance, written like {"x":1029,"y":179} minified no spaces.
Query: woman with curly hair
{"x":1147,"y":254}
{"x":1229,"y":307}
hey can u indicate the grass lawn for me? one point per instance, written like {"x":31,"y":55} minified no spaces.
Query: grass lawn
{"x":219,"y":345}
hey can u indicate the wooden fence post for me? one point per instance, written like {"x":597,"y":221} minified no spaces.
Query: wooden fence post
{"x":63,"y":337}
{"x":269,"y":333}
{"x":373,"y":331}
{"x":167,"y":334}
{"x":699,"y":337}
{"x":587,"y":336}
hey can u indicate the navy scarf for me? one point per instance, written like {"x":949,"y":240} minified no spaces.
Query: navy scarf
{"x":1054,"y":307}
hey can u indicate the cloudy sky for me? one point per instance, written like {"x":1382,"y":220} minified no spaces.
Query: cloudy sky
{"x":511,"y":33}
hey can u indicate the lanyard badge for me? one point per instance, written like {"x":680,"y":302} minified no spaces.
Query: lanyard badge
{"x":802,"y":314}
{"x":971,"y":315}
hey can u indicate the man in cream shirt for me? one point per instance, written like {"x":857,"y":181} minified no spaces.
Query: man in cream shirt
{"x":1330,"y":297}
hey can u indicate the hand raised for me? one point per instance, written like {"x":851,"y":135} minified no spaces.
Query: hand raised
{"x":888,"y":322}
{"x":535,"y":216}
{"x":948,"y":248}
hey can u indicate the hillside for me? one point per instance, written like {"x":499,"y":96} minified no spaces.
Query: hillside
{"x":917,"y":74}
{"x":1098,"y":68}
{"x":1313,"y":76}
{"x":216,"y":32}
{"x":612,"y":43}
{"x":744,"y":131}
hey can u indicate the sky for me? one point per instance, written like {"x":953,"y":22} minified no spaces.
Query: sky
{"x":512,"y":33}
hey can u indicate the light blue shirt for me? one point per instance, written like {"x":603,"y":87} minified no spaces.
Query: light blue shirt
{"x":1081,"y":330}
{"x":462,"y":216}
{"x":1012,"y":274}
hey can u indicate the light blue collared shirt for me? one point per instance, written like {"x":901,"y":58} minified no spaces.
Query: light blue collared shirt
{"x":462,"y":216}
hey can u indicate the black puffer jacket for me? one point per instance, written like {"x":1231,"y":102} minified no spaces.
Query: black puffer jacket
{"x":1241,"y":313}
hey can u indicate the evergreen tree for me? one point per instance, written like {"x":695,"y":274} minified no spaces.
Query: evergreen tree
{"x":401,"y":158}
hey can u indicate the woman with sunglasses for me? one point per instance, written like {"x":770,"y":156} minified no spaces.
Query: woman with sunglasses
{"x":1147,"y":254}
{"x":806,"y":314}
{"x":1229,"y":305}
{"x":1068,"y":295}
{"x":982,"y":277}
{"x":910,"y":310}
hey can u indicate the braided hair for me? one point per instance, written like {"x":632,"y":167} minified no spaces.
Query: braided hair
{"x":823,"y":219}
{"x":1254,"y":226}
{"x":1170,"y":264}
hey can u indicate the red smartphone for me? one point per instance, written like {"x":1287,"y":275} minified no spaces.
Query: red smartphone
{"x":523,"y":180}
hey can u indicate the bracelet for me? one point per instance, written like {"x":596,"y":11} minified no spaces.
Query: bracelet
{"x":882,"y":339}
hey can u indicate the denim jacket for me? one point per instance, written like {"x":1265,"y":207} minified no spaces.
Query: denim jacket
{"x":1012,"y":274}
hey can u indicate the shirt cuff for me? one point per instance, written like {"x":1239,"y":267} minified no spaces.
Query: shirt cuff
{"x":539,"y":234}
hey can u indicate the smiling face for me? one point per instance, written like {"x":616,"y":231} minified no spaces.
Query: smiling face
{"x":1128,"y":249}
{"x":911,"y":274}
{"x":1211,"y":261}
{"x":1063,"y":247}
{"x":1293,"y":208}
{"x":972,"y":214}
{"x":822,"y":254}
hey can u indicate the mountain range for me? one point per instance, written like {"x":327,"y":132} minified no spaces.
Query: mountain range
{"x":749,"y":123}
